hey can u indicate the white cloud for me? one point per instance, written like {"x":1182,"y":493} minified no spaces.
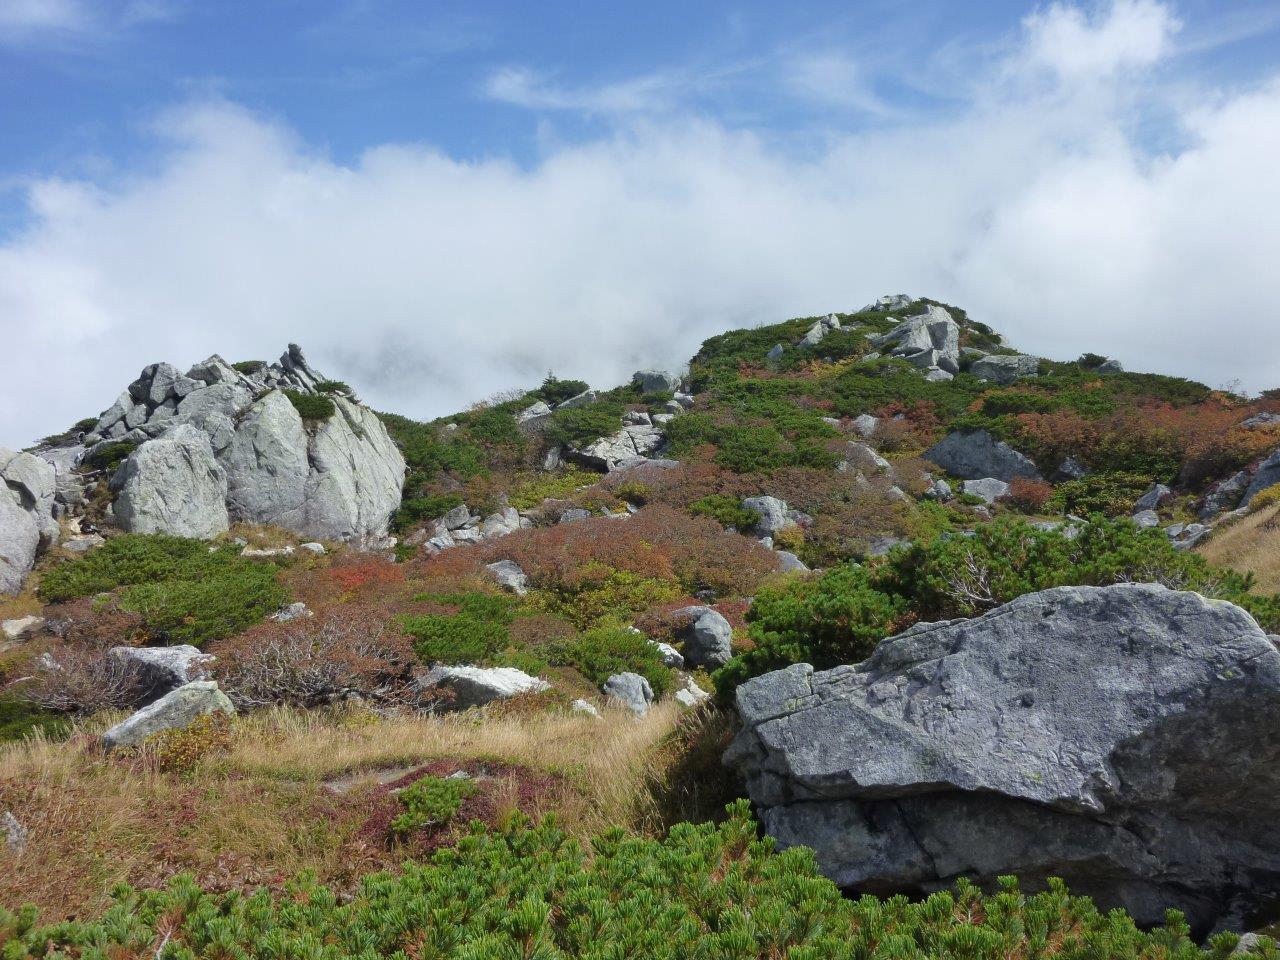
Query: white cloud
{"x":430,"y":282}
{"x":525,"y":88}
{"x":1123,"y":35}
{"x":20,"y":18}
{"x":835,"y":79}
{"x":77,"y":25}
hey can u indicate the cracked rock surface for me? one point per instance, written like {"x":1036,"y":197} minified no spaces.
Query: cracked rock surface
{"x":1124,"y":738}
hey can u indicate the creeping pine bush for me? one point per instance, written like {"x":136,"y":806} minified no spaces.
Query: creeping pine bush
{"x":839,"y":617}
{"x":599,"y":654}
{"x":1113,"y":494}
{"x":475,"y":628}
{"x":312,"y":407}
{"x":530,"y":892}
{"x":182,"y":591}
{"x":430,"y":802}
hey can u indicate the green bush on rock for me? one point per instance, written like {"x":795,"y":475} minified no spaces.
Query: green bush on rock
{"x":706,"y":892}
{"x":312,"y":407}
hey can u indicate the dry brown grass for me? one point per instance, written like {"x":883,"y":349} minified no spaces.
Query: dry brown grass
{"x":1250,"y":545}
{"x":262,"y":810}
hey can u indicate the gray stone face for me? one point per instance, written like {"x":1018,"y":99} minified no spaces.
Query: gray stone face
{"x":1268,"y":475}
{"x":788,"y":562}
{"x":1005,"y":369}
{"x":476,"y":686}
{"x":629,"y":690}
{"x":656,"y":381}
{"x":859,"y":456}
{"x":772,"y":513}
{"x":174,"y":711}
{"x":1070,"y":469}
{"x":1146,"y":519}
{"x":161,"y":670}
{"x":892,"y":302}
{"x":775,"y":353}
{"x":866,"y":425}
{"x":19,"y":542}
{"x":631,"y":444}
{"x":928,"y":340}
{"x":988,"y":488}
{"x":267,"y":466}
{"x":533,"y":412}
{"x":975,"y":454}
{"x":1226,"y":495}
{"x":1124,"y":738}
{"x":708,"y":639}
{"x":1153,"y":498}
{"x":509,"y":576}
{"x":173,"y":485}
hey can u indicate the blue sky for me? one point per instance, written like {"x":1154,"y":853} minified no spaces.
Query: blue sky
{"x":440,"y":200}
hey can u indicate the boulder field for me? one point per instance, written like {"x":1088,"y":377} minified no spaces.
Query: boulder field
{"x":1123,"y":738}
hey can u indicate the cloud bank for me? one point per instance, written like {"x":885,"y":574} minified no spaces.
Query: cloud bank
{"x":429,"y":282}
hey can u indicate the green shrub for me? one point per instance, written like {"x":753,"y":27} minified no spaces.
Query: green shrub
{"x":706,"y":891}
{"x":184,"y":592}
{"x":312,"y":407}
{"x":429,"y":507}
{"x":1111,"y":494}
{"x":334,"y":386}
{"x":108,"y":456}
{"x":580,"y":425}
{"x":827,"y":620}
{"x":430,"y":802}
{"x":249,"y":366}
{"x":554,"y":390}
{"x":599,"y":654}
{"x":475,"y":633}
{"x":553,"y":486}
{"x":19,"y":719}
{"x":725,"y":510}
{"x":603,"y":596}
{"x":494,"y":426}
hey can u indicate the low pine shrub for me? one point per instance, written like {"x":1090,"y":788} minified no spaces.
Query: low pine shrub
{"x":431,"y":802}
{"x":249,"y":366}
{"x":530,"y":891}
{"x":581,"y":425}
{"x":181,"y":590}
{"x":474,"y":629}
{"x":334,"y":386}
{"x":312,"y":407}
{"x":1111,"y":494}
{"x":599,"y":654}
{"x":555,"y":391}
{"x":108,"y":456}
{"x":725,"y":510}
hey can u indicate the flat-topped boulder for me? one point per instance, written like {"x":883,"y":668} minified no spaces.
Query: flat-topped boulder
{"x":1125,"y":738}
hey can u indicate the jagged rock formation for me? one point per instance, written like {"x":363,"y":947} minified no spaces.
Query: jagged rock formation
{"x":219,"y":445}
{"x":930,"y":340}
{"x":1123,"y":738}
{"x":27,"y":524}
{"x":1005,"y":369}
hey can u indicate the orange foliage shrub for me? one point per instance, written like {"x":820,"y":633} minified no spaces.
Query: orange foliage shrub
{"x":1029,"y":495}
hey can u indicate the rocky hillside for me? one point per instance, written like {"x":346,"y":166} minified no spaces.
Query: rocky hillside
{"x":946,"y":612}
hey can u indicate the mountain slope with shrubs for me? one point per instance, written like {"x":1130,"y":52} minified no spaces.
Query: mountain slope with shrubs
{"x":574,"y":584}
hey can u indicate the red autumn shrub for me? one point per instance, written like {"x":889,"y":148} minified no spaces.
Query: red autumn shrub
{"x":79,"y":678}
{"x":364,"y":571}
{"x":343,"y":650}
{"x":1029,"y":495}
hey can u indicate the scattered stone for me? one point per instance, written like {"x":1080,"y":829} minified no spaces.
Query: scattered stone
{"x":939,"y":490}
{"x":583,"y":399}
{"x":637,"y":418}
{"x":584,"y":707}
{"x":574,"y":515}
{"x":534,"y":412}
{"x":788,"y":562}
{"x":671,"y":657}
{"x":976,"y":454}
{"x":457,"y":517}
{"x":1122,"y":738}
{"x":1153,"y":498}
{"x":936,"y":375}
{"x":883,"y":546}
{"x":988,"y":488}
{"x":775,"y":353}
{"x":633,"y":443}
{"x":174,"y":711}
{"x":15,"y":834}
{"x":294,"y":611}
{"x":83,"y":543}
{"x":859,"y":456}
{"x":1146,"y":519}
{"x":684,"y":399}
{"x":629,"y":690}
{"x":772,"y":513}
{"x":509,"y":576}
{"x":691,"y":695}
{"x":708,"y":638}
{"x":262,"y":553}
{"x":1070,"y":469}
{"x":313,"y":547}
{"x":866,"y":425}
{"x":1227,"y":495}
{"x":21,"y":627}
{"x":476,"y":686}
{"x":891,"y":303}
{"x":1185,"y":536}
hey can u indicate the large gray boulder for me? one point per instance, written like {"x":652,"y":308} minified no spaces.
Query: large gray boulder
{"x":27,"y":525}
{"x":772,"y":514}
{"x":1268,"y":475}
{"x":467,"y":686}
{"x":267,"y":466}
{"x":708,"y":637}
{"x":655,"y":381}
{"x":1226,"y":495}
{"x":1005,"y":369}
{"x":975,"y":454}
{"x":173,"y":485}
{"x":19,"y":543}
{"x":930,"y":340}
{"x":174,"y":711}
{"x":161,"y":670}
{"x":1124,"y":738}
{"x":630,"y":445}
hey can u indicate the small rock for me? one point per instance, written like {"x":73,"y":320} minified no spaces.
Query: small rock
{"x":883,"y":546}
{"x":988,"y":488}
{"x":655,"y":381}
{"x":15,"y":833}
{"x":21,"y":627}
{"x":476,"y":686}
{"x":671,"y":657}
{"x":574,"y":515}
{"x":509,"y":576}
{"x":161,"y":670}
{"x":1005,"y":369}
{"x":536,"y":411}
{"x":584,"y":707}
{"x":317,"y":548}
{"x":584,"y":399}
{"x":294,"y":611}
{"x":708,"y":639}
{"x":866,"y":424}
{"x":82,"y":544}
{"x":1069,"y":469}
{"x":266,"y":552}
{"x":1260,"y":420}
{"x":775,"y":353}
{"x":788,"y":562}
{"x":772,"y":513}
{"x":1146,"y":519}
{"x":691,"y":695}
{"x":939,"y":490}
{"x":1153,"y":498}
{"x":629,"y":690}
